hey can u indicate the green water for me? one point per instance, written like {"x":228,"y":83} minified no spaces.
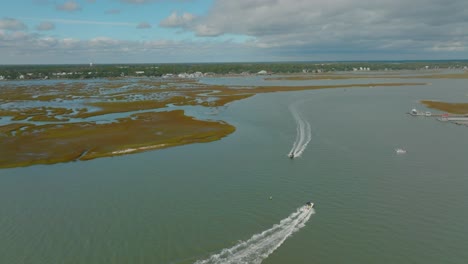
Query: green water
{"x":184,"y":204}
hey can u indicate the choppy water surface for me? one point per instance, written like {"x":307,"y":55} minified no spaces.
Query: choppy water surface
{"x":210,"y":203}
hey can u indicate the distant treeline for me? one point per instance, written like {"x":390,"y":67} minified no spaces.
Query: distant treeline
{"x":11,"y":72}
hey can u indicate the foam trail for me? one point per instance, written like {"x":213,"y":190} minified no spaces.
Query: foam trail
{"x":303,"y":133}
{"x":260,"y":246}
{"x":307,"y":138}
{"x":298,"y":131}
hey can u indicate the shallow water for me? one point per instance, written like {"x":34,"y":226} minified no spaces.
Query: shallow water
{"x":187,"y":203}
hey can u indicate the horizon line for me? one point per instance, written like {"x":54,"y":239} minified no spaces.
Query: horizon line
{"x":234,"y":62}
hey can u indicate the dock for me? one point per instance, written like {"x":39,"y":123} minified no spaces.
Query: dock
{"x":445,"y":117}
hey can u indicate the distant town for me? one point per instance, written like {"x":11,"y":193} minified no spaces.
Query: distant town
{"x":198,"y":70}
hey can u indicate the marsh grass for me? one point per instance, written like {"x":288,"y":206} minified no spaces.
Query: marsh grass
{"x":453,"y":108}
{"x":27,"y":144}
{"x":463,"y":75}
{"x":49,"y":143}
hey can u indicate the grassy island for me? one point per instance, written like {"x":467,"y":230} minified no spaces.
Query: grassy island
{"x":453,"y":108}
{"x":51,"y":143}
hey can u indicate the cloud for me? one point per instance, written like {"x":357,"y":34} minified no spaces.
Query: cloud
{"x":340,"y":26}
{"x":12,"y":24}
{"x":113,"y":11}
{"x":45,"y":25}
{"x":143,"y":25}
{"x":268,"y":30}
{"x":174,"y":20}
{"x":452,"y":47}
{"x":26,"y":48}
{"x":69,"y":6}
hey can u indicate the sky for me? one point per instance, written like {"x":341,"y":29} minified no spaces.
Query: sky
{"x":176,"y":31}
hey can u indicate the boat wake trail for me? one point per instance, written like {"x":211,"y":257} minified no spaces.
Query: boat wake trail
{"x":304,"y":133}
{"x":260,"y":246}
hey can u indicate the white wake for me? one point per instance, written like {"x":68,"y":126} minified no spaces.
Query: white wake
{"x":303,"y":133}
{"x":260,"y":246}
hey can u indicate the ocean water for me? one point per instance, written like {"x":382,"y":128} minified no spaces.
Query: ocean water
{"x":238,"y":200}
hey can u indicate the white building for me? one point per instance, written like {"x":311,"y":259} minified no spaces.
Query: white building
{"x":262,"y":72}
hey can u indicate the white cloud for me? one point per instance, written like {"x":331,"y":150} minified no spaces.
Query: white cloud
{"x":12,"y":24}
{"x":337,"y":25}
{"x":22,"y":47}
{"x":451,"y":46}
{"x":266,"y":30}
{"x":143,"y":25}
{"x":69,"y":6}
{"x":175,"y":20}
{"x":45,"y":25}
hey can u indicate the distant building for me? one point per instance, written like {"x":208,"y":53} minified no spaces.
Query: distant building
{"x":262,"y":72}
{"x":139,"y":72}
{"x":2,"y":77}
{"x":190,"y":75}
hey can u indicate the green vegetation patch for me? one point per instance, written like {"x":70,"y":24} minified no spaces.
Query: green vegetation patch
{"x":48,"y":114}
{"x":303,"y":77}
{"x":48,"y":144}
{"x":29,"y":144}
{"x":271,"y":89}
{"x":453,"y":108}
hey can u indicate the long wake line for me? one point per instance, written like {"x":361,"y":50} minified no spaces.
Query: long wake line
{"x":303,"y":133}
{"x":260,"y":246}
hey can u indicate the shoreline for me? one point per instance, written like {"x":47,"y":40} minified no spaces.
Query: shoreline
{"x":52,"y":143}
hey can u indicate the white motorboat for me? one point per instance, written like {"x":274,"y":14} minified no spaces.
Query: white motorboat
{"x":400,"y":151}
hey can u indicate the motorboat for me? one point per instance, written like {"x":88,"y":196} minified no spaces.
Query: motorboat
{"x":291,"y":155}
{"x":400,"y":151}
{"x":309,"y":205}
